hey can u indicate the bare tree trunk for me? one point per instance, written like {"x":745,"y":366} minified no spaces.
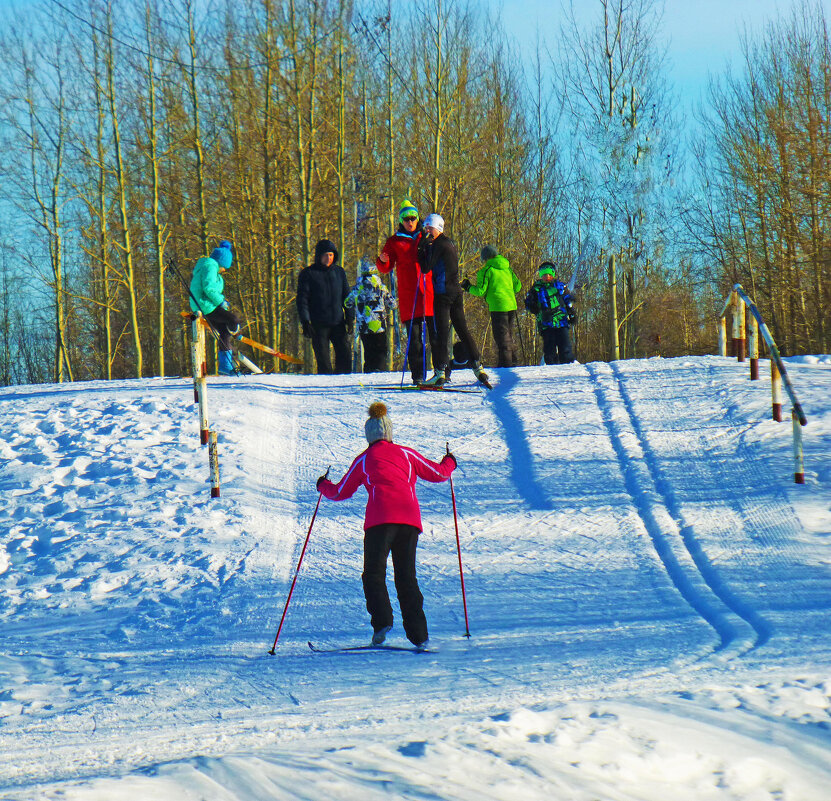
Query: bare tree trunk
{"x":48,"y":215}
{"x":197,"y":135}
{"x":613,"y":309}
{"x":103,"y":250}
{"x":156,"y":225}
{"x":305,"y":126}
{"x":121,"y":186}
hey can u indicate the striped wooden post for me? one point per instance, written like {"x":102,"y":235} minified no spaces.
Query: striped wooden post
{"x":200,"y":378}
{"x":799,"y":465}
{"x":740,"y":341}
{"x":213,"y":458}
{"x":776,"y":390}
{"x":196,"y":364}
{"x":722,"y":336}
{"x":753,"y":348}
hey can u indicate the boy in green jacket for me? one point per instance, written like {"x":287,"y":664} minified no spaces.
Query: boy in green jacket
{"x":498,"y":284}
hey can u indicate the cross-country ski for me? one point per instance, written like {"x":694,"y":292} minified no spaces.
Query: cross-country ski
{"x":363,"y":648}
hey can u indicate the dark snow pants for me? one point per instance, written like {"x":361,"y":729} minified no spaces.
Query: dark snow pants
{"x":336,"y":334}
{"x":556,"y":346}
{"x":416,"y":350}
{"x":375,"y":352}
{"x":502,"y":323}
{"x":401,"y":540}
{"x":447,"y":310}
{"x":226,"y":324}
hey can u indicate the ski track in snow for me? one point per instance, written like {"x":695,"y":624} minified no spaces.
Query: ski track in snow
{"x":648,"y":594}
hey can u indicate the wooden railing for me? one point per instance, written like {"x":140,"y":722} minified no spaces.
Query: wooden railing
{"x":745,"y":342}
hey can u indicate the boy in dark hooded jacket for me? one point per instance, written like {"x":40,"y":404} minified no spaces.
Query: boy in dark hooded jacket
{"x":321,"y":290}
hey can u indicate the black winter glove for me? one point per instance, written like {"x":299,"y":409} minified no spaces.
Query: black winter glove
{"x":466,"y":285}
{"x":572,"y":317}
{"x":307,"y":330}
{"x":319,"y":482}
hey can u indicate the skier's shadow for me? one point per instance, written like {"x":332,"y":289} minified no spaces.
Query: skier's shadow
{"x":516,"y":441}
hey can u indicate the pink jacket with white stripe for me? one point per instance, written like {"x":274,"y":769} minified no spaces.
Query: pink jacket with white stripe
{"x":389,"y":473}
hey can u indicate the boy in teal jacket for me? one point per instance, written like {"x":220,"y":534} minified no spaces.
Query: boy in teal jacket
{"x":206,"y":286}
{"x":498,"y":284}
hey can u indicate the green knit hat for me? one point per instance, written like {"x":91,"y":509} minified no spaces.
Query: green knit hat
{"x":407,"y":209}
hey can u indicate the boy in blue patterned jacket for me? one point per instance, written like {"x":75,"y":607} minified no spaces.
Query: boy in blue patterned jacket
{"x":551,"y":302}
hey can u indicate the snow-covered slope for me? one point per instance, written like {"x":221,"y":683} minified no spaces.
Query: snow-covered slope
{"x":649,"y":594}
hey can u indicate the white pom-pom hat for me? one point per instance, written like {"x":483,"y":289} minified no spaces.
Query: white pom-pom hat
{"x":379,"y":425}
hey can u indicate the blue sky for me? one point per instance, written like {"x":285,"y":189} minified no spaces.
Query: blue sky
{"x":703,"y":35}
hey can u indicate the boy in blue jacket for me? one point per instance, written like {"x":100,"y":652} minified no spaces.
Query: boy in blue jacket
{"x":550,"y":301}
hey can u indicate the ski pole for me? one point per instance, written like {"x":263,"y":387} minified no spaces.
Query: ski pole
{"x":410,"y":335}
{"x":459,"y":549}
{"x":297,"y":571}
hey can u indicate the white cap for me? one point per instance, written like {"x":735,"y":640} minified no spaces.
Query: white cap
{"x":434,"y":221}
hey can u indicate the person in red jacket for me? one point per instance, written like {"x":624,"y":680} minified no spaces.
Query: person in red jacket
{"x":392,"y":522}
{"x":415,"y":290}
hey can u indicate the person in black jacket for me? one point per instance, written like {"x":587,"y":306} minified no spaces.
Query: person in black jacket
{"x":437,"y":255}
{"x":321,"y":290}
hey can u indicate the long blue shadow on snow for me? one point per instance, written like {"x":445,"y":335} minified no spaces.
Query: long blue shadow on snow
{"x":516,"y":441}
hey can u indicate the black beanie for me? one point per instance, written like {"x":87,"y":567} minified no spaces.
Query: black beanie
{"x":488,"y":252}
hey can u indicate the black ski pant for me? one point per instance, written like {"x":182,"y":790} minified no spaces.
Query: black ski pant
{"x":449,"y":309}
{"x":400,"y":540}
{"x":502,"y":323}
{"x":322,"y":335}
{"x":556,"y":346}
{"x":415,"y":354}
{"x":226,"y":324}
{"x":375,"y":351}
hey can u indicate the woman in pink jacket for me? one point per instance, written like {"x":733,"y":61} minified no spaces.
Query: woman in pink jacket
{"x":392,"y":522}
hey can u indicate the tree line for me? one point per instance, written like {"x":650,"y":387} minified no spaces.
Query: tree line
{"x":139,"y":133}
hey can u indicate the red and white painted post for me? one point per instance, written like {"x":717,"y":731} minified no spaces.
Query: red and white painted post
{"x":776,"y":389}
{"x":753,"y":348}
{"x":740,"y":340}
{"x":213,"y":458}
{"x":195,"y":363}
{"x":200,"y":371}
{"x":799,"y":465}
{"x":734,"y":331}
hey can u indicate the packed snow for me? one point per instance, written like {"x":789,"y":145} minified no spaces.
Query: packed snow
{"x":649,"y":593}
